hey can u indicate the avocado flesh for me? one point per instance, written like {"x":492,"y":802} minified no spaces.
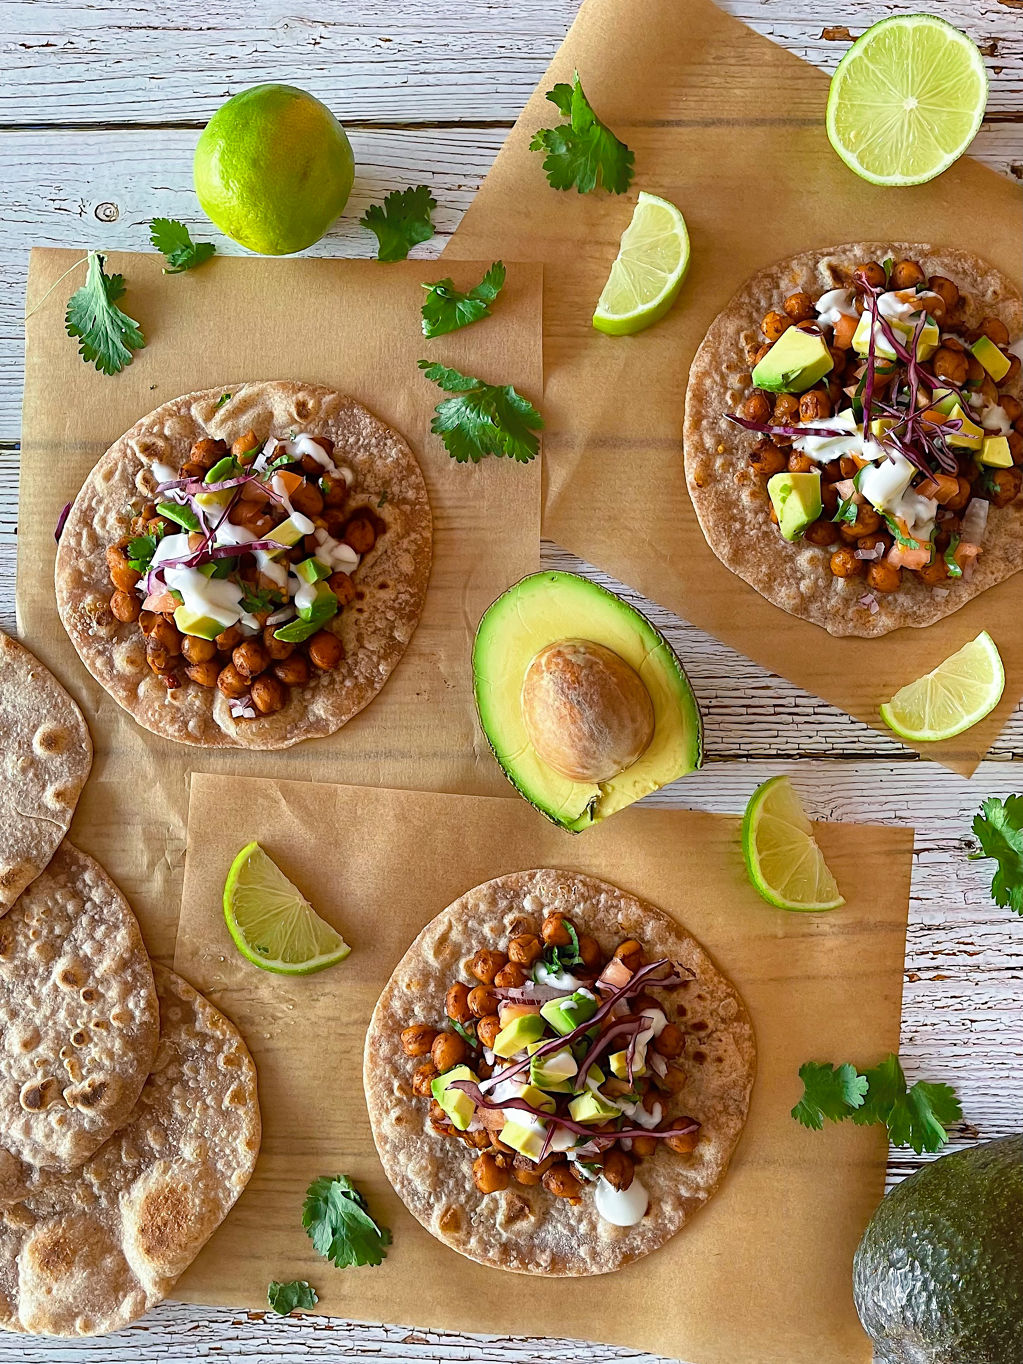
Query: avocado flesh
{"x":545,"y":608}
{"x":936,"y":1277}
{"x":794,"y":363}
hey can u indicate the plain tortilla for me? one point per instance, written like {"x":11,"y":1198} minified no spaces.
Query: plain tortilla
{"x":375,"y":629}
{"x":86,"y":1253}
{"x":730,"y":498}
{"x":47,"y":754}
{"x":79,"y":1018}
{"x":524,"y":1228}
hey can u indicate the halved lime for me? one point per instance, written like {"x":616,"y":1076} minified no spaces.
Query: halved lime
{"x":957,"y":694}
{"x":783,"y":860}
{"x":906,"y":100}
{"x":273,"y":925}
{"x":652,"y":260}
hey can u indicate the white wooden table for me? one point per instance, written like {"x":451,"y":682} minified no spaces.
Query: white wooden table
{"x":100,"y":103}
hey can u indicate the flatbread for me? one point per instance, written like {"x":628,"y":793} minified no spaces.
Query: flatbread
{"x":88,"y":1252}
{"x":78,"y":1014}
{"x":524,"y":1228}
{"x":47,"y":754}
{"x":375,"y":630}
{"x":731,"y":499}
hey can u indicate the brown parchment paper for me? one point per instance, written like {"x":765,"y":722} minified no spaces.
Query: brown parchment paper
{"x":763,"y":1274}
{"x":354,"y":325}
{"x":731,"y":128}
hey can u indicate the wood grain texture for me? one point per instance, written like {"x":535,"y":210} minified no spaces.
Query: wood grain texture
{"x":99,"y":107}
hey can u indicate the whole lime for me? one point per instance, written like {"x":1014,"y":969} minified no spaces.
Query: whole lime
{"x":273,"y":168}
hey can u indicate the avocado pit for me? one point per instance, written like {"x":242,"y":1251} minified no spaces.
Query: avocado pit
{"x":586,"y":711}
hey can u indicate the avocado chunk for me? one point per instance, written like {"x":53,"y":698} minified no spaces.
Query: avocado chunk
{"x":591,"y":1107}
{"x":310,"y":618}
{"x":903,"y":329}
{"x":455,"y":1103}
{"x":564,"y":1015}
{"x":553,"y":1072}
{"x":936,"y":1278}
{"x":796,"y":499}
{"x":536,"y":1097}
{"x":543,"y":610}
{"x":620,"y":1063}
{"x":525,"y":1137}
{"x":794,"y":363}
{"x":970,"y":436}
{"x":195,"y":623}
{"x":518,"y":1034}
{"x":996,"y":364}
{"x":312,"y":570}
{"x":995,"y":452}
{"x":290,"y":531}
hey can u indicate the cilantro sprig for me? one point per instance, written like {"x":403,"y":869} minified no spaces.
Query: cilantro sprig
{"x":916,"y":1117}
{"x":175,"y":241}
{"x":401,"y":222}
{"x":108,"y":336}
{"x":954,"y":570}
{"x":559,"y":958}
{"x":584,"y":152}
{"x":447,"y":309}
{"x":141,"y":550}
{"x":999,"y":827}
{"x":337,"y":1219}
{"x":283,"y":1298}
{"x":482,"y":419}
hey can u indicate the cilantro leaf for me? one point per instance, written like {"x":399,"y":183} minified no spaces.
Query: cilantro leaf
{"x":886,"y":1087}
{"x":847,"y":511}
{"x":828,"y":1093}
{"x":401,"y":222}
{"x":108,"y":336}
{"x":283,"y":1298}
{"x":999,"y":827}
{"x":256,"y":599}
{"x":585,"y":152}
{"x":224,"y":398}
{"x":930,"y":1108}
{"x":907,"y":542}
{"x":339,"y":1225}
{"x":447,"y":309}
{"x":484,"y":419}
{"x":954,"y":571}
{"x":141,"y":550}
{"x":467,"y":1034}
{"x":175,"y":241}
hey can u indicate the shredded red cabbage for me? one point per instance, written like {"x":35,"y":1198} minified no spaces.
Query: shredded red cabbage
{"x":767,"y":429}
{"x":629,"y":1027}
{"x":61,"y":519}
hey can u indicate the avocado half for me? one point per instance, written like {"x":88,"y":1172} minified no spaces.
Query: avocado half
{"x":938,"y":1276}
{"x":540,"y":610}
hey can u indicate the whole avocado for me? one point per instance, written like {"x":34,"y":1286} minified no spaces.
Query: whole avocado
{"x":938,"y":1276}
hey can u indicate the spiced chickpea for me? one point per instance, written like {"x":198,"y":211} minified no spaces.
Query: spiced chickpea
{"x":335,"y":490}
{"x":934,"y":572}
{"x":456,"y":1003}
{"x":844,"y":563}
{"x":251,"y":516}
{"x":1012,"y":407}
{"x":946,"y":290}
{"x":207,"y":452}
{"x":487,"y":1029}
{"x":125,"y":606}
{"x":488,"y":1175}
{"x":166,"y":635}
{"x":883,"y":576}
{"x":822,"y":532}
{"x":486,"y":964}
{"x":526,"y":1174}
{"x":799,"y":464}
{"x":866,"y":523}
{"x":1015,"y":439}
{"x":618,"y":1168}
{"x":275,"y":648}
{"x":630,"y":954}
{"x":555,"y":930}
{"x":325,"y":650}
{"x":244,"y":444}
{"x":360,"y":534}
{"x":198,"y":650}
{"x":510,"y":977}
{"x":561,"y":1182}
{"x":293,"y":671}
{"x":995,"y":330}
{"x":756,"y":408}
{"x":231,"y":683}
{"x":814,"y":405}
{"x":1011,"y":376}
{"x":147,"y":619}
{"x":589,"y":950}
{"x":1005,"y":486}
{"x":203,"y":674}
{"x":670,"y":1042}
{"x":343,"y":587}
{"x":775,"y":324}
{"x":644,"y":1147}
{"x":766,"y":458}
{"x":250,"y":658}
{"x":673,"y":1080}
{"x":872,"y":273}
{"x":307,"y":499}
{"x":975,"y":371}
{"x":524,"y":948}
{"x":684,"y":1143}
{"x":422,"y":1079}
{"x":191,"y":469}
{"x":959,"y":501}
{"x":122,"y":575}
{"x":439,"y":1117}
{"x":269,"y":694}
{"x":157,"y":656}
{"x":906,"y":274}
{"x":417,"y":1039}
{"x":848,"y":466}
{"x":228,"y":638}
{"x":448,"y":1050}
{"x":799,"y":306}
{"x":482,"y":1001}
{"x":951,"y":365}
{"x":755,"y":353}
{"x":829,"y":498}
{"x":786,"y":410}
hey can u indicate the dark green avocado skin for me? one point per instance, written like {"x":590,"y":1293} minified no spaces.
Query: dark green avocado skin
{"x":938,"y":1276}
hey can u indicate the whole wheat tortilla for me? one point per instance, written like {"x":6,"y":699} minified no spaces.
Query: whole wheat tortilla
{"x":375,"y":629}
{"x":79,"y":1018}
{"x":47,"y":754}
{"x":88,"y":1252}
{"x":524,"y":1228}
{"x":731,"y":499}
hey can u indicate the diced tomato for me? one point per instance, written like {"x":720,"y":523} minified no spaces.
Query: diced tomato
{"x":159,"y":601}
{"x":288,"y":481}
{"x":966,"y":554}
{"x":615,"y":974}
{"x":901,"y":556}
{"x":508,"y":1011}
{"x":939,"y":487}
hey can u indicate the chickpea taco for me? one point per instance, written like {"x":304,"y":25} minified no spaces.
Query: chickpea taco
{"x":854,"y":434}
{"x":557,"y":1075}
{"x":245,"y":569}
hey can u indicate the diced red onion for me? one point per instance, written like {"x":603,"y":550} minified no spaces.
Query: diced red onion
{"x":939,"y":593}
{"x":278,"y":617}
{"x":975,"y":520}
{"x":875,"y":553}
{"x":870,"y":602}
{"x":241,"y":707}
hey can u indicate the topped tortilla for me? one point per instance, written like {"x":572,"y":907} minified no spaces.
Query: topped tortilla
{"x":684,"y":1083}
{"x":879,"y":576}
{"x":208,"y":642}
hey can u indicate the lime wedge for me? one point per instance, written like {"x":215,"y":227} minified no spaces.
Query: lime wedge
{"x":957,"y":694}
{"x":272,"y":923}
{"x":906,"y":100}
{"x":651,"y":264}
{"x":783,"y":860}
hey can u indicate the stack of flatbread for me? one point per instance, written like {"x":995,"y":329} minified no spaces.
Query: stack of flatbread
{"x":129,"y":1122}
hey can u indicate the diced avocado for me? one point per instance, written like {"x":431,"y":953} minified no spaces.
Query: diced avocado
{"x":288,"y":533}
{"x":525,"y":1137}
{"x":219,"y":568}
{"x":620,"y":1065}
{"x":213,"y":502}
{"x":993,"y":360}
{"x":310,"y":618}
{"x":183,"y":516}
{"x":925,"y":347}
{"x":532,"y":1095}
{"x":554,"y":1071}
{"x":195,"y":623}
{"x":995,"y":452}
{"x":591,"y":1107}
{"x":565,"y":1014}
{"x":312,"y":570}
{"x":796,"y":499}
{"x":970,"y":436}
{"x":539,"y":611}
{"x":526,"y":1028}
{"x":595,"y":1077}
{"x":455,"y":1103}
{"x":223,"y":470}
{"x":794,"y":363}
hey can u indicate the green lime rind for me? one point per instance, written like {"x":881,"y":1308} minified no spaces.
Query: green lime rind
{"x":638,"y":319}
{"x":751,"y":855}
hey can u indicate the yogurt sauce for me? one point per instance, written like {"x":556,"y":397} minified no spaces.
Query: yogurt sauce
{"x":621,"y":1207}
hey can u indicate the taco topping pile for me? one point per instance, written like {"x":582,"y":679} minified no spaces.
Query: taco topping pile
{"x":237,"y":565}
{"x":556,"y":1067}
{"x":888,"y":427}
